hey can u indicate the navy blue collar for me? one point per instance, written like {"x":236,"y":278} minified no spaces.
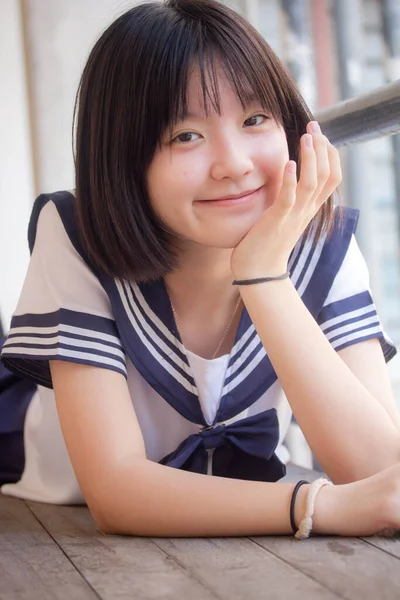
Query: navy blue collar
{"x":150,"y":337}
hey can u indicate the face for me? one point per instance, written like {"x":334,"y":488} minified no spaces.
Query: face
{"x":213,"y":178}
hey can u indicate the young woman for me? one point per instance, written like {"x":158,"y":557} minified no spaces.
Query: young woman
{"x":197,"y":288}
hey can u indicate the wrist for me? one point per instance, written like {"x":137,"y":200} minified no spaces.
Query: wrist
{"x":328,"y":513}
{"x":350,"y":509}
{"x":301,"y":504}
{"x":306,"y":525}
{"x":257,"y":272}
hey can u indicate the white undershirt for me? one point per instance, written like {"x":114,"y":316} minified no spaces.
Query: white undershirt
{"x":209,"y":376}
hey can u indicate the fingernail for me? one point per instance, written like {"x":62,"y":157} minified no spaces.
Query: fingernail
{"x":291,"y":167}
{"x":308,"y":140}
{"x":314,"y":126}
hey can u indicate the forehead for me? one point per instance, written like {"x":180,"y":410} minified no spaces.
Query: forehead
{"x":211,"y":91}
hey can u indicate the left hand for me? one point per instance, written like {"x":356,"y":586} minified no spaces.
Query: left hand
{"x":265,"y":249}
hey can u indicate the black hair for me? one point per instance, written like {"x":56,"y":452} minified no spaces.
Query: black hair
{"x":133,"y":88}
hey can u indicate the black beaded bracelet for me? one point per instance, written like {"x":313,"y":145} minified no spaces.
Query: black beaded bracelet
{"x":260,"y":279}
{"x":292,"y":502}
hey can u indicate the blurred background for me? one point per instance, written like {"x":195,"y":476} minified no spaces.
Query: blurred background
{"x":336,"y":49}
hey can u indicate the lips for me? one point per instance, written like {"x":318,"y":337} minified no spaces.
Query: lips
{"x":233,"y":197}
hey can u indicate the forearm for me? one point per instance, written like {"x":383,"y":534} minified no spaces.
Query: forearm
{"x":148,"y":499}
{"x":347,"y":429}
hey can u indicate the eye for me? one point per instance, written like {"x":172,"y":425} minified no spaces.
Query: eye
{"x":187,"y":136}
{"x":255,"y":120}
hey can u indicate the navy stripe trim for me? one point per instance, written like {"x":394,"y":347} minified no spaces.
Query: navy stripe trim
{"x":153,"y":342}
{"x":388,"y":349}
{"x":347,"y":305}
{"x":154,"y":327}
{"x":355,"y":330}
{"x":39,"y":371}
{"x":67,"y":317}
{"x":352,"y":321}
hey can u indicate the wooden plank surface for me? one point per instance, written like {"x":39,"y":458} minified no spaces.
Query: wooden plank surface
{"x":117,"y":566}
{"x":32,"y":565}
{"x":237,"y":569}
{"x":226,"y":568}
{"x":49,"y":551}
{"x":348,"y":566}
{"x":390,"y":545}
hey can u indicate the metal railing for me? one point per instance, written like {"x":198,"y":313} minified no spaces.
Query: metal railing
{"x":363,"y":118}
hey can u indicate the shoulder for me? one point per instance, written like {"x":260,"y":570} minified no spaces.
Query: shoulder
{"x":53,"y":214}
{"x":315,"y":265}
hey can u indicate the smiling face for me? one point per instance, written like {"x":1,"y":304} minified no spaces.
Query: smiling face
{"x":213,"y":155}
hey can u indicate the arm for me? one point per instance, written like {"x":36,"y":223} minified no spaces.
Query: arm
{"x":351,"y":427}
{"x":126,"y":493}
{"x":346,"y":411}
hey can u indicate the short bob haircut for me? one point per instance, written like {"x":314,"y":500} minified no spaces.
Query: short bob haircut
{"x":132,"y":90}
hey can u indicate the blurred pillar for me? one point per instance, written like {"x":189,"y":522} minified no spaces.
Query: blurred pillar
{"x":251,"y":12}
{"x":349,"y":40}
{"x":299,"y":47}
{"x":16,"y":165}
{"x":323,"y":53}
{"x":391,"y":27}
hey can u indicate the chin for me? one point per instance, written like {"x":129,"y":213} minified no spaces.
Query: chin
{"x":224,"y":240}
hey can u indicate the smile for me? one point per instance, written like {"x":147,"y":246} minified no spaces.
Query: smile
{"x":238,"y":200}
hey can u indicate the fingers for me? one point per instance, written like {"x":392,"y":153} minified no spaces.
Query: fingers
{"x":319,"y":177}
{"x":335,"y":176}
{"x":320,"y":168}
{"x":287,"y":195}
{"x":308,"y":182}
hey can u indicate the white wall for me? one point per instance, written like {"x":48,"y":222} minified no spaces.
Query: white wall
{"x":43,"y":48}
{"x":60,"y":36}
{"x":16,"y":173}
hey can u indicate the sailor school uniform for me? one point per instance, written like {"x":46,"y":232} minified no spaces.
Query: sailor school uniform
{"x":226,"y":417}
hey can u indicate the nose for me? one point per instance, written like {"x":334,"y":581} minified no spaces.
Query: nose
{"x":231,"y":160}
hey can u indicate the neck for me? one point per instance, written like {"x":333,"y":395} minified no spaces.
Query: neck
{"x":201,"y":291}
{"x":202,"y":276}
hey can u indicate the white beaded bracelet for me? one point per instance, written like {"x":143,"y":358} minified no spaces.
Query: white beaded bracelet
{"x":305,"y":526}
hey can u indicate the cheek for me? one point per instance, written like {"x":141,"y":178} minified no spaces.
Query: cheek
{"x":167,"y":174}
{"x":160,"y":181}
{"x":273,"y":158}
{"x":171,"y":185}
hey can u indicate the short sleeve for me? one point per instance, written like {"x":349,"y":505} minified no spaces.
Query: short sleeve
{"x":63,"y":312}
{"x":349,"y":315}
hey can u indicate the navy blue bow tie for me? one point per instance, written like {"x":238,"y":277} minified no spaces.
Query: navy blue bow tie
{"x":243,"y":450}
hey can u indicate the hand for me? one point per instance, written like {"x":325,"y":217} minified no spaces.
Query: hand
{"x":370,"y":506}
{"x":265,"y":249}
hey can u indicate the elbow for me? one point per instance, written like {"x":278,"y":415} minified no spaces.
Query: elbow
{"x":106,"y":520}
{"x":108,"y":524}
{"x":118,"y":526}
{"x":118,"y":501}
{"x":367,"y":465}
{"x":103,"y":523}
{"x":106,"y":527}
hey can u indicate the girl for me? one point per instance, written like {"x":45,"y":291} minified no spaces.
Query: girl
{"x":198,"y":287}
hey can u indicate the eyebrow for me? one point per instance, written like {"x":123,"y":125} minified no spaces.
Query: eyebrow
{"x":251,"y":99}
{"x":188,"y":115}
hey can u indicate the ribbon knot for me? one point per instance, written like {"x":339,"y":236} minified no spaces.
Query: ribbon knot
{"x":213,"y":437}
{"x":243,"y":450}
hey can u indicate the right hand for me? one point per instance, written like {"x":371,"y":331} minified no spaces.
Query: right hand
{"x":361,"y":508}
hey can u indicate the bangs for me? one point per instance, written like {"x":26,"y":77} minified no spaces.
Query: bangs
{"x":249,"y":84}
{"x":210,"y":46}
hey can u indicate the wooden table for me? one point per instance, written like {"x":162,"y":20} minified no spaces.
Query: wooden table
{"x":55,"y":552}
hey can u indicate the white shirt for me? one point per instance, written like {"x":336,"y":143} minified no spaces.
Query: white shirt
{"x":348,"y":316}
